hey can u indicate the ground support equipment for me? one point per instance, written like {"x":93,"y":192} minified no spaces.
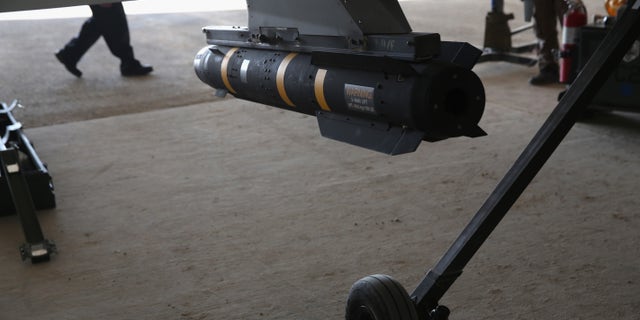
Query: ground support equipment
{"x":621,"y":91}
{"x":497,"y":36}
{"x":25,"y":185}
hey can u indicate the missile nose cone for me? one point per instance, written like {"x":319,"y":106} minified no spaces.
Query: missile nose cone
{"x":201,"y":62}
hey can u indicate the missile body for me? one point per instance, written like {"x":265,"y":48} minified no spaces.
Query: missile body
{"x":440,"y":99}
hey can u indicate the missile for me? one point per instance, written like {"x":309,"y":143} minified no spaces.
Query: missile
{"x":384,"y":92}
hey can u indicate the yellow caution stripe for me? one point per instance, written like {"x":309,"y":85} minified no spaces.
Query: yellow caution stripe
{"x":282,"y":69}
{"x":318,"y":88}
{"x":224,"y":67}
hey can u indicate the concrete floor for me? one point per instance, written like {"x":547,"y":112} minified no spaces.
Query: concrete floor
{"x":176,"y":205}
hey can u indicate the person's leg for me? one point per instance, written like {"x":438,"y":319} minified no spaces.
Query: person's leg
{"x":545,"y":16}
{"x":112,"y":23}
{"x":561,"y":8}
{"x":114,"y":27}
{"x":73,"y":51}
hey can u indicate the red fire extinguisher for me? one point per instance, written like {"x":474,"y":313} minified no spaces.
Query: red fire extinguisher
{"x":572,"y":21}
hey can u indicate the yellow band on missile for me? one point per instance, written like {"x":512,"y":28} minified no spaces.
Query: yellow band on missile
{"x":318,"y":88}
{"x":280,"y":78}
{"x":223,"y":69}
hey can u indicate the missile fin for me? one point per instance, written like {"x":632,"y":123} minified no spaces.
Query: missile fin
{"x":475,"y":131}
{"x":460,"y":53}
{"x":367,"y":134}
{"x":221,"y":93}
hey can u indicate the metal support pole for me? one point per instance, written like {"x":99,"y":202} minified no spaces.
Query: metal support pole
{"x":573,"y":103}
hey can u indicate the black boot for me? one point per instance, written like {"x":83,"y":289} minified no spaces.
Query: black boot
{"x":135,"y":68}
{"x":69,"y":65}
{"x":547,"y":75}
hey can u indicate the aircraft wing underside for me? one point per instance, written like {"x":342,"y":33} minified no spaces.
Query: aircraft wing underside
{"x":6,"y":6}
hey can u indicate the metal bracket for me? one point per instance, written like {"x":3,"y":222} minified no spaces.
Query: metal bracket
{"x":39,"y":252}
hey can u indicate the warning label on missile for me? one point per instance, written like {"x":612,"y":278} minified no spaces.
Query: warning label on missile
{"x":359,"y":98}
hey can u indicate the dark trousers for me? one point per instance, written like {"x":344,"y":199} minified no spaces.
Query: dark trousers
{"x":109,"y":22}
{"x":546,"y":15}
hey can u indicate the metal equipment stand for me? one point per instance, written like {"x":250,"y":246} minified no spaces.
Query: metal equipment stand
{"x":497,"y":37}
{"x":17,"y":159}
{"x":366,"y":300}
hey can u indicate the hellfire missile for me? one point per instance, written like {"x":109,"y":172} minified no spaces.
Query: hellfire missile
{"x":382,"y":91}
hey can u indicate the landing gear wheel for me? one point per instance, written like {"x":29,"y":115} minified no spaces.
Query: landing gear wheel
{"x":379,"y":297}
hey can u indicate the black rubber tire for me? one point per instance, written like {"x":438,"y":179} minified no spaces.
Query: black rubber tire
{"x":379,"y":297}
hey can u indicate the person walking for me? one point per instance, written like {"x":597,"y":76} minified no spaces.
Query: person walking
{"x":110,"y":22}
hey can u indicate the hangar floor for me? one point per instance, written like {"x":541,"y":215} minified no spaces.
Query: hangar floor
{"x":175,"y":205}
